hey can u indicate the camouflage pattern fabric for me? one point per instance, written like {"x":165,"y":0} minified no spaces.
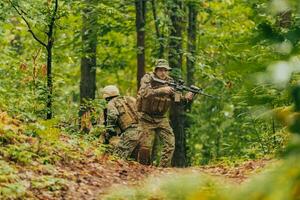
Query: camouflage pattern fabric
{"x":162,"y":128}
{"x":151,"y":125}
{"x":129,"y":138}
{"x":148,"y":87}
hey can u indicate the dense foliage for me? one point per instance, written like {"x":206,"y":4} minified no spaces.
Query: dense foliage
{"x":237,"y":42}
{"x":247,"y":54}
{"x":234,"y":53}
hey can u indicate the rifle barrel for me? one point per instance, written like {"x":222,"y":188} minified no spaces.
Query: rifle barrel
{"x":177,"y":86}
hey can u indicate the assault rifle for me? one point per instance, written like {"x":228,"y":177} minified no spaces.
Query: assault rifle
{"x":179,"y":86}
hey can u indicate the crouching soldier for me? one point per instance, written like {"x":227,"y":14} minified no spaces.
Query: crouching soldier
{"x":121,"y":119}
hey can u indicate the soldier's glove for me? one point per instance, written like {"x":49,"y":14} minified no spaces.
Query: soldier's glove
{"x":104,"y":138}
{"x":109,"y":133}
{"x":165,"y":90}
{"x":189,"y":96}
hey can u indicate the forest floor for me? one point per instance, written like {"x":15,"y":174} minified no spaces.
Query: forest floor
{"x":93,"y":179}
{"x":75,"y":171}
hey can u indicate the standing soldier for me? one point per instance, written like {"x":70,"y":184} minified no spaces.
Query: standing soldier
{"x":153,"y":102}
{"x":121,"y":119}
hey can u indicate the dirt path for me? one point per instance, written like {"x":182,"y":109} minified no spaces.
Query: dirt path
{"x":92,"y":177}
{"x":91,"y":180}
{"x":81,"y":180}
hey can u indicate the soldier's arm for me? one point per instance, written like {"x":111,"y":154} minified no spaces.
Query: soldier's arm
{"x":112,"y":119}
{"x":146,"y":89}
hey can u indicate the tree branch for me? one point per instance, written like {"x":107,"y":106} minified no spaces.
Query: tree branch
{"x":27,"y":23}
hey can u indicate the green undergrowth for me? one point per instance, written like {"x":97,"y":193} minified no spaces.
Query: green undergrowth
{"x":43,"y":144}
{"x":11,"y":185}
{"x":31,"y":152}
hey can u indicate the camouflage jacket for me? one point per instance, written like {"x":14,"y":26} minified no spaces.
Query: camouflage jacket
{"x":148,"y":88}
{"x":121,"y":114}
{"x":150,"y":101}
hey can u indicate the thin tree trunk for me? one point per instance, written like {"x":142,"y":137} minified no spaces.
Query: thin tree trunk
{"x":88,"y":60}
{"x":177,"y":118}
{"x":175,"y":59}
{"x":49,"y":81}
{"x":140,"y":6}
{"x":191,"y":47}
{"x":218,"y":142}
{"x":48,"y":47}
{"x":192,"y":42}
{"x":49,"y":60}
{"x":175,"y":41}
{"x":159,"y":36}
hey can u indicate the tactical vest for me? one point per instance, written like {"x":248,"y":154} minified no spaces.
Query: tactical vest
{"x":155,"y":104}
{"x":127,"y":111}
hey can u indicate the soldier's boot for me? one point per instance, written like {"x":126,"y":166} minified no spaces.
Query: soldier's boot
{"x":144,"y":156}
{"x":135,"y":153}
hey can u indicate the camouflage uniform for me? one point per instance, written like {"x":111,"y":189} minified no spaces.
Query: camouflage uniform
{"x":153,"y":106}
{"x":122,"y":115}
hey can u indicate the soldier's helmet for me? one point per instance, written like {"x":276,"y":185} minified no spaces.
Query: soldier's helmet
{"x":110,"y":91}
{"x":162,"y":63}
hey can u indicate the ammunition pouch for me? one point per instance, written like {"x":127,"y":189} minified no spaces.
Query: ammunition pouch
{"x":156,"y":105}
{"x":127,"y":114}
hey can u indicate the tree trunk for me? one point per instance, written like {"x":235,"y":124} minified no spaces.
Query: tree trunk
{"x":175,"y":59}
{"x":160,"y":51}
{"x":177,"y":118}
{"x":49,"y":80}
{"x":49,"y":47}
{"x":140,"y":6}
{"x":192,"y":37}
{"x":191,"y":58}
{"x":175,"y":41}
{"x":88,"y":60}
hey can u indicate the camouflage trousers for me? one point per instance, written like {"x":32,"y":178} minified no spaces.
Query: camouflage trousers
{"x":149,"y":129}
{"x":129,"y":141}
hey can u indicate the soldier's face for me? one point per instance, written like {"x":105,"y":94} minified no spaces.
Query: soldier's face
{"x":161,"y":73}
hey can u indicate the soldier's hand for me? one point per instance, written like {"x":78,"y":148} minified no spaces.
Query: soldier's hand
{"x":166,"y":90}
{"x":189,"y":96}
{"x":104,"y":138}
